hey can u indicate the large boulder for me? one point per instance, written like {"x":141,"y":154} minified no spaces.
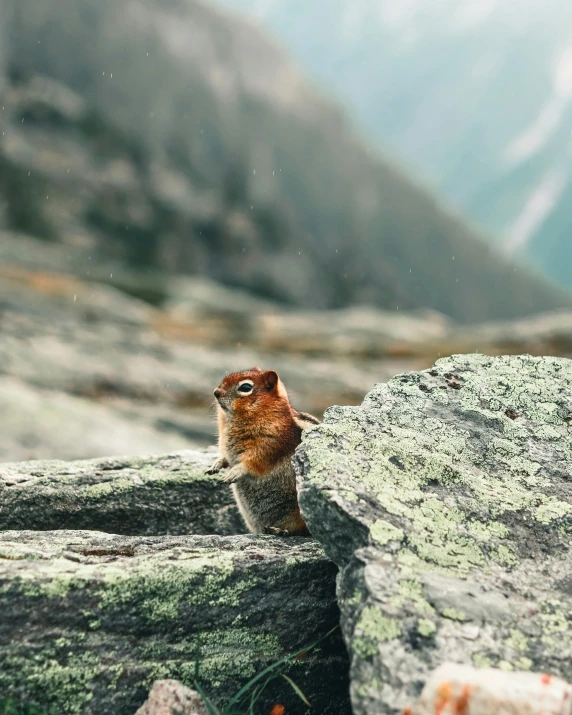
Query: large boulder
{"x":90,"y":620}
{"x":169,"y":494}
{"x":446,"y":499}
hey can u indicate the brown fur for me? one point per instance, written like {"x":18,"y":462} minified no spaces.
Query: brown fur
{"x":258,"y":434}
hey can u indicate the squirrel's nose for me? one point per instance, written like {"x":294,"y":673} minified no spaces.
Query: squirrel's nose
{"x":218,"y":392}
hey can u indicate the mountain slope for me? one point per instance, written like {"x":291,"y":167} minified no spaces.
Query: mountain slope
{"x":176,"y":137}
{"x":477,"y":96}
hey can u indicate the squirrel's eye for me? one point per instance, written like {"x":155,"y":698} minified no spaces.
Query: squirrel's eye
{"x":245,"y":387}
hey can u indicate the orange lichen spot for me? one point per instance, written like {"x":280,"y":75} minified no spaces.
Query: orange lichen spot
{"x":444,"y":693}
{"x":278,"y":710}
{"x":462,"y":704}
{"x":407,"y":711}
{"x":546,"y":679}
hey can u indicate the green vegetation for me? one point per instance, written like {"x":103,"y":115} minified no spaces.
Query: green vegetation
{"x":246,"y":698}
{"x":243,"y":703}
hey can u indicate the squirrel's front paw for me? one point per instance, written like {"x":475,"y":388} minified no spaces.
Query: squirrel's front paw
{"x":275,"y":531}
{"x":233,"y":474}
{"x":215,"y":467}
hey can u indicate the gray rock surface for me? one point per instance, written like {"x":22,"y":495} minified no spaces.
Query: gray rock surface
{"x":169,"y":697}
{"x":91,"y":620}
{"x":87,"y":370}
{"x":446,"y":499}
{"x":169,"y":494}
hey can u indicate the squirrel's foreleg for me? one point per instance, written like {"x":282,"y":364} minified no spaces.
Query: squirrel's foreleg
{"x":234,"y":474}
{"x":215,"y":468}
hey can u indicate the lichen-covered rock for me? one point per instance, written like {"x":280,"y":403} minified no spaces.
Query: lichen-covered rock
{"x":169,"y":697}
{"x":169,"y":494}
{"x":465,"y":690}
{"x":446,"y":498}
{"x":90,"y":620}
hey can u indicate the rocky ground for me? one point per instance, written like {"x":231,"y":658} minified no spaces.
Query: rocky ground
{"x":444,"y":500}
{"x":88,"y":368}
{"x":94,"y":618}
{"x":440,"y":508}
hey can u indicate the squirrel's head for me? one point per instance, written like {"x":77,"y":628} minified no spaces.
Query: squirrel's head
{"x":249,"y":391}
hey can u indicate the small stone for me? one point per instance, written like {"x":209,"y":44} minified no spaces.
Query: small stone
{"x":459,"y":689}
{"x":170,"y":696}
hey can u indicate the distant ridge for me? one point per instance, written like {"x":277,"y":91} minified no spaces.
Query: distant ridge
{"x":181,"y":138}
{"x":474,"y":95}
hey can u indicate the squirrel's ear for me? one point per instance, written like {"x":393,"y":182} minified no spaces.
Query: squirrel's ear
{"x":256,"y":369}
{"x":270,"y":379}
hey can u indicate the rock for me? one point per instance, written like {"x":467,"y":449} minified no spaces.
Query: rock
{"x":545,"y":333}
{"x":454,"y":689}
{"x":201,"y":297}
{"x":359,"y":331}
{"x":20,"y":252}
{"x":90,"y":620}
{"x":39,"y":424}
{"x":169,"y":494}
{"x":45,"y":99}
{"x":170,"y":696}
{"x":446,"y":500}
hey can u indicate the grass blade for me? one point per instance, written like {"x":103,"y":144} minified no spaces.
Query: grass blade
{"x":258,"y":692}
{"x":242,"y":692}
{"x":297,"y":690}
{"x":255,"y":693}
{"x":211,"y":707}
{"x":197,"y":659}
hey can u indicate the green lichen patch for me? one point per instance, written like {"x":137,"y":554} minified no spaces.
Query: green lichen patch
{"x":383,"y":532}
{"x":426,"y":628}
{"x":460,"y":524}
{"x":373,"y":628}
{"x":454,"y":614}
{"x":169,"y":494}
{"x":89,"y":625}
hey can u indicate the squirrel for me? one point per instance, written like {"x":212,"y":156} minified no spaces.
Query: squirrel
{"x":259,"y":431}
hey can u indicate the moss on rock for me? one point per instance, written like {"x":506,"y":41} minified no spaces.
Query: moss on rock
{"x":169,"y":494}
{"x":456,"y":480}
{"x":90,"y":620}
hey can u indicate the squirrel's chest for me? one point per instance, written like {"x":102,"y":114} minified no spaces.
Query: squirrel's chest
{"x":239,"y":439}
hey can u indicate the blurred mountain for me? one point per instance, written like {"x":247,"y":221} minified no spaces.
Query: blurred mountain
{"x":173,"y":137}
{"x":476,"y":96}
